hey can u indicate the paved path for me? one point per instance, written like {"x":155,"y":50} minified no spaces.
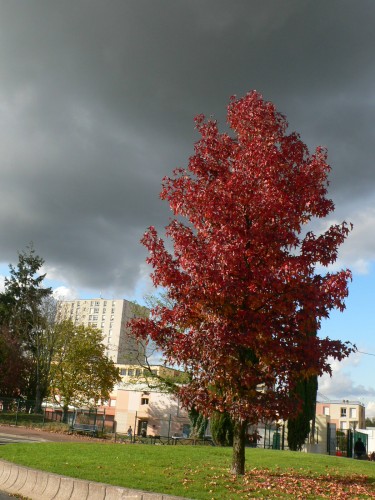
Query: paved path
{"x":14,"y":438}
{"x":14,"y":434}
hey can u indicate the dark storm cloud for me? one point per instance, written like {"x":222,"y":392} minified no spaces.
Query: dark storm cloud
{"x":97,"y":101}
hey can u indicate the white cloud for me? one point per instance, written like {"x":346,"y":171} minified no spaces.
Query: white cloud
{"x":370,"y":409}
{"x":358,"y":251}
{"x":144,"y":285}
{"x":65,"y":293}
{"x":341,"y":384}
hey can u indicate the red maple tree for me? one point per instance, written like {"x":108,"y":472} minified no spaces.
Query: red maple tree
{"x":242,"y":275}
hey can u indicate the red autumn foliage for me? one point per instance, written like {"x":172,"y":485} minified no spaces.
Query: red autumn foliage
{"x":14,"y":365}
{"x":248,"y":297}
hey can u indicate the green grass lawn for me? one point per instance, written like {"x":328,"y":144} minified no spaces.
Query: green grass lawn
{"x":201,"y":472}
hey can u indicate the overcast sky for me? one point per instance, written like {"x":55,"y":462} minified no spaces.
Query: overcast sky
{"x":97,"y":101}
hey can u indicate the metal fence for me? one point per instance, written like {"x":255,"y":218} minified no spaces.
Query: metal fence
{"x":19,"y":411}
{"x":170,"y":430}
{"x":340,"y":442}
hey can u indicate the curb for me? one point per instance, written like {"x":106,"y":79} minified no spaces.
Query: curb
{"x":39,"y":485}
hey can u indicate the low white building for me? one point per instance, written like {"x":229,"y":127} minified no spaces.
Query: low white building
{"x":370,"y":431}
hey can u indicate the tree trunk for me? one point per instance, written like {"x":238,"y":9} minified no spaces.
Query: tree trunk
{"x":65,"y":414}
{"x":238,"y":457}
{"x":38,"y":399}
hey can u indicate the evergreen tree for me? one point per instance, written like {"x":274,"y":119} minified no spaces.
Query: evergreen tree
{"x":25,"y":291}
{"x":299,"y":426}
{"x":221,"y":429}
{"x":199,"y":423}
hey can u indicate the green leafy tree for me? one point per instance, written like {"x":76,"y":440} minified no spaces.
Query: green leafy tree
{"x":299,"y":426}
{"x":45,"y":338}
{"x":81,"y":374}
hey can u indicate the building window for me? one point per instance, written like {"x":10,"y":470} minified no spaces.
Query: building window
{"x":144,"y":401}
{"x":123,"y":371}
{"x":325,"y":410}
{"x":343,"y":425}
{"x":130,"y":372}
{"x":97,"y":303}
{"x":113,"y":310}
{"x":353,"y":412}
{"x":343,"y":412}
{"x":137,"y":372}
{"x":96,"y":310}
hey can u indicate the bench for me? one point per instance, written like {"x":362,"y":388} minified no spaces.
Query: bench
{"x":193,"y":441}
{"x":85,"y":428}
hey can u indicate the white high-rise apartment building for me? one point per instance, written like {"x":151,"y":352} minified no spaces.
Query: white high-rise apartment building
{"x":111,"y":317}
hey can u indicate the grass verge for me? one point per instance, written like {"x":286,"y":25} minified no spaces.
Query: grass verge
{"x":201,"y":472}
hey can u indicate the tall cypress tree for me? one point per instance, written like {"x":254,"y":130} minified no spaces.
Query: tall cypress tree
{"x":221,"y":428}
{"x":299,"y":426}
